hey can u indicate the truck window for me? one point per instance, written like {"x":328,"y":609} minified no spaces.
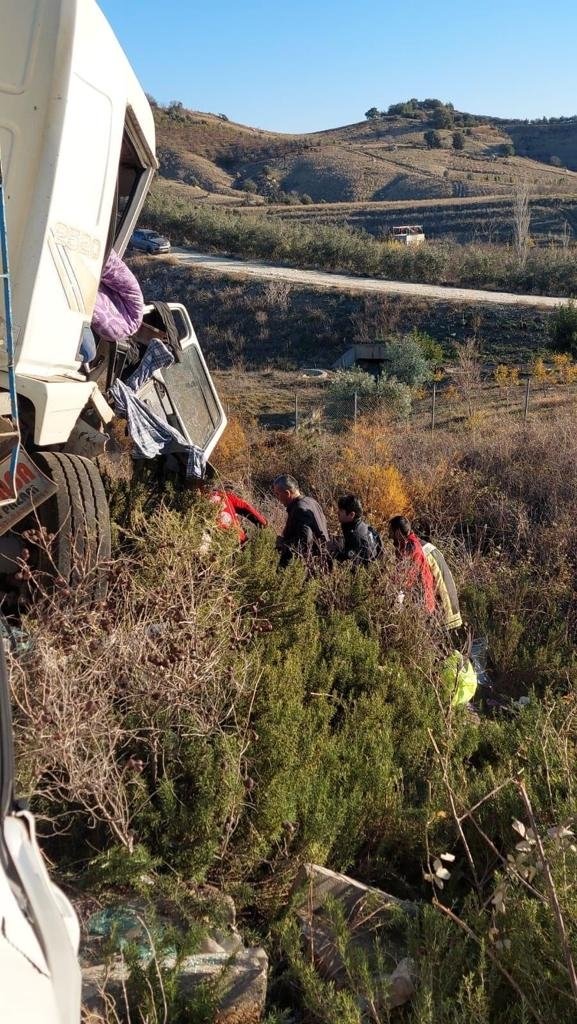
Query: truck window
{"x":130,"y":171}
{"x":191,"y":392}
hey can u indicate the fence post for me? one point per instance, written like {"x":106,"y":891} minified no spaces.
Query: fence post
{"x":526,"y":409}
{"x":433,"y":406}
{"x":296,"y":411}
{"x":356,"y":409}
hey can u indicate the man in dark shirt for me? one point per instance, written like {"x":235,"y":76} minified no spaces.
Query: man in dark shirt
{"x":305,"y":533}
{"x":361,"y":543}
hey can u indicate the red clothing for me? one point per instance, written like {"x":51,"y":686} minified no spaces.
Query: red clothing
{"x":420,"y":570}
{"x":230,"y":507}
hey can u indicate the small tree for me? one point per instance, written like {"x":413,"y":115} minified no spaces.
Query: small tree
{"x":175,"y":109}
{"x":508,"y":149}
{"x":539,"y":372}
{"x":521,"y":221}
{"x":431,"y":349}
{"x":406,"y":361}
{"x":563,"y":328}
{"x":372,"y":113}
{"x":458,"y":140}
{"x":249,"y":186}
{"x":468,"y":372}
{"x":443,"y":118}
{"x":433,"y":140}
{"x":505,"y":378}
{"x":555,"y":161}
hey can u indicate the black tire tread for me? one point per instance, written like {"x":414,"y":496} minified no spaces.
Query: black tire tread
{"x":78,"y":516}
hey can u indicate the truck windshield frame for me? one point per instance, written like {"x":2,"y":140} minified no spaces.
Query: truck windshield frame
{"x":135,"y":169}
{"x":192,"y":396}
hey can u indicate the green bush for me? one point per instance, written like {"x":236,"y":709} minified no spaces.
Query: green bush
{"x":405,"y":360}
{"x":434,"y":140}
{"x":395,"y":394}
{"x":563,"y":328}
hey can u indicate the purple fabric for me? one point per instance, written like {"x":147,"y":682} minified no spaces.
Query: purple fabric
{"x":119,"y":305}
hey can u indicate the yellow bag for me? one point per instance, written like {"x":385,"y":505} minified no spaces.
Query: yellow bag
{"x":458,"y":674}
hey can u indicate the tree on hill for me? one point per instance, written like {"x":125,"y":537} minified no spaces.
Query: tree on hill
{"x":443,"y":118}
{"x":555,"y":161}
{"x":508,"y":149}
{"x":433,"y":140}
{"x":372,"y":113}
{"x":458,"y":140}
{"x":400,"y":109}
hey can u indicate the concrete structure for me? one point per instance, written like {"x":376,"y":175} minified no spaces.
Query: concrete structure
{"x":408,"y":234}
{"x":367,"y":356}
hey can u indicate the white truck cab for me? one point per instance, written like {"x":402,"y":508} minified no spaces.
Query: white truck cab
{"x":40,"y":978}
{"x":77,"y":144}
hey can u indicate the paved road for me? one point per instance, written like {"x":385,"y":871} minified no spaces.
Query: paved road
{"x":345,"y":283}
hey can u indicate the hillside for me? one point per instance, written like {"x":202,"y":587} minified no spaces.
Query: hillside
{"x":386,"y":159}
{"x":477,"y":218}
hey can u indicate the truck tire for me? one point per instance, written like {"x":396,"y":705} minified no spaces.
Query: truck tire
{"x":78,"y":517}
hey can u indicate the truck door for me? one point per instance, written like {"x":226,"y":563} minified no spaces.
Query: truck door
{"x":184,"y":393}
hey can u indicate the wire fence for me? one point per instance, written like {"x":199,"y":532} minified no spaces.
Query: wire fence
{"x":437,"y":407}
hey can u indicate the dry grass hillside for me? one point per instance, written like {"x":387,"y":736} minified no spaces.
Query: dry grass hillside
{"x":386,"y":159}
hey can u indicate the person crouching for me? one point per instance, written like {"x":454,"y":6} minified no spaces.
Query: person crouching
{"x":361,"y":543}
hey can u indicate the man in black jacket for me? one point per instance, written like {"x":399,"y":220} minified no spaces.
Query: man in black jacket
{"x":361,"y":542}
{"x":305,"y":533}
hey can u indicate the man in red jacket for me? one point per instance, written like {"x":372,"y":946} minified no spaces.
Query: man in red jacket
{"x":407,"y":545}
{"x":229,"y":507}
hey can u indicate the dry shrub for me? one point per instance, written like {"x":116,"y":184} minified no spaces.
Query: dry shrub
{"x":105,"y":694}
{"x":365,"y":467}
{"x":307,"y":454}
{"x":232,"y":453}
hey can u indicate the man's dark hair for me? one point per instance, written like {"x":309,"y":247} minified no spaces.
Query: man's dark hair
{"x":286,"y":483}
{"x":400,"y":523}
{"x":350,"y":503}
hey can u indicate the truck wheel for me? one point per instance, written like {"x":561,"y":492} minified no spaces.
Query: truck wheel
{"x":78,"y":517}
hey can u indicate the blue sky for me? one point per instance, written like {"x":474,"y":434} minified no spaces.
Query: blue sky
{"x":303,"y":66}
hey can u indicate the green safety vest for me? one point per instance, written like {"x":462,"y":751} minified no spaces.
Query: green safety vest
{"x":459,"y":675}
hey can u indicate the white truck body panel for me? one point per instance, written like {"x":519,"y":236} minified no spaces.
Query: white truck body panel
{"x":66,"y":93}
